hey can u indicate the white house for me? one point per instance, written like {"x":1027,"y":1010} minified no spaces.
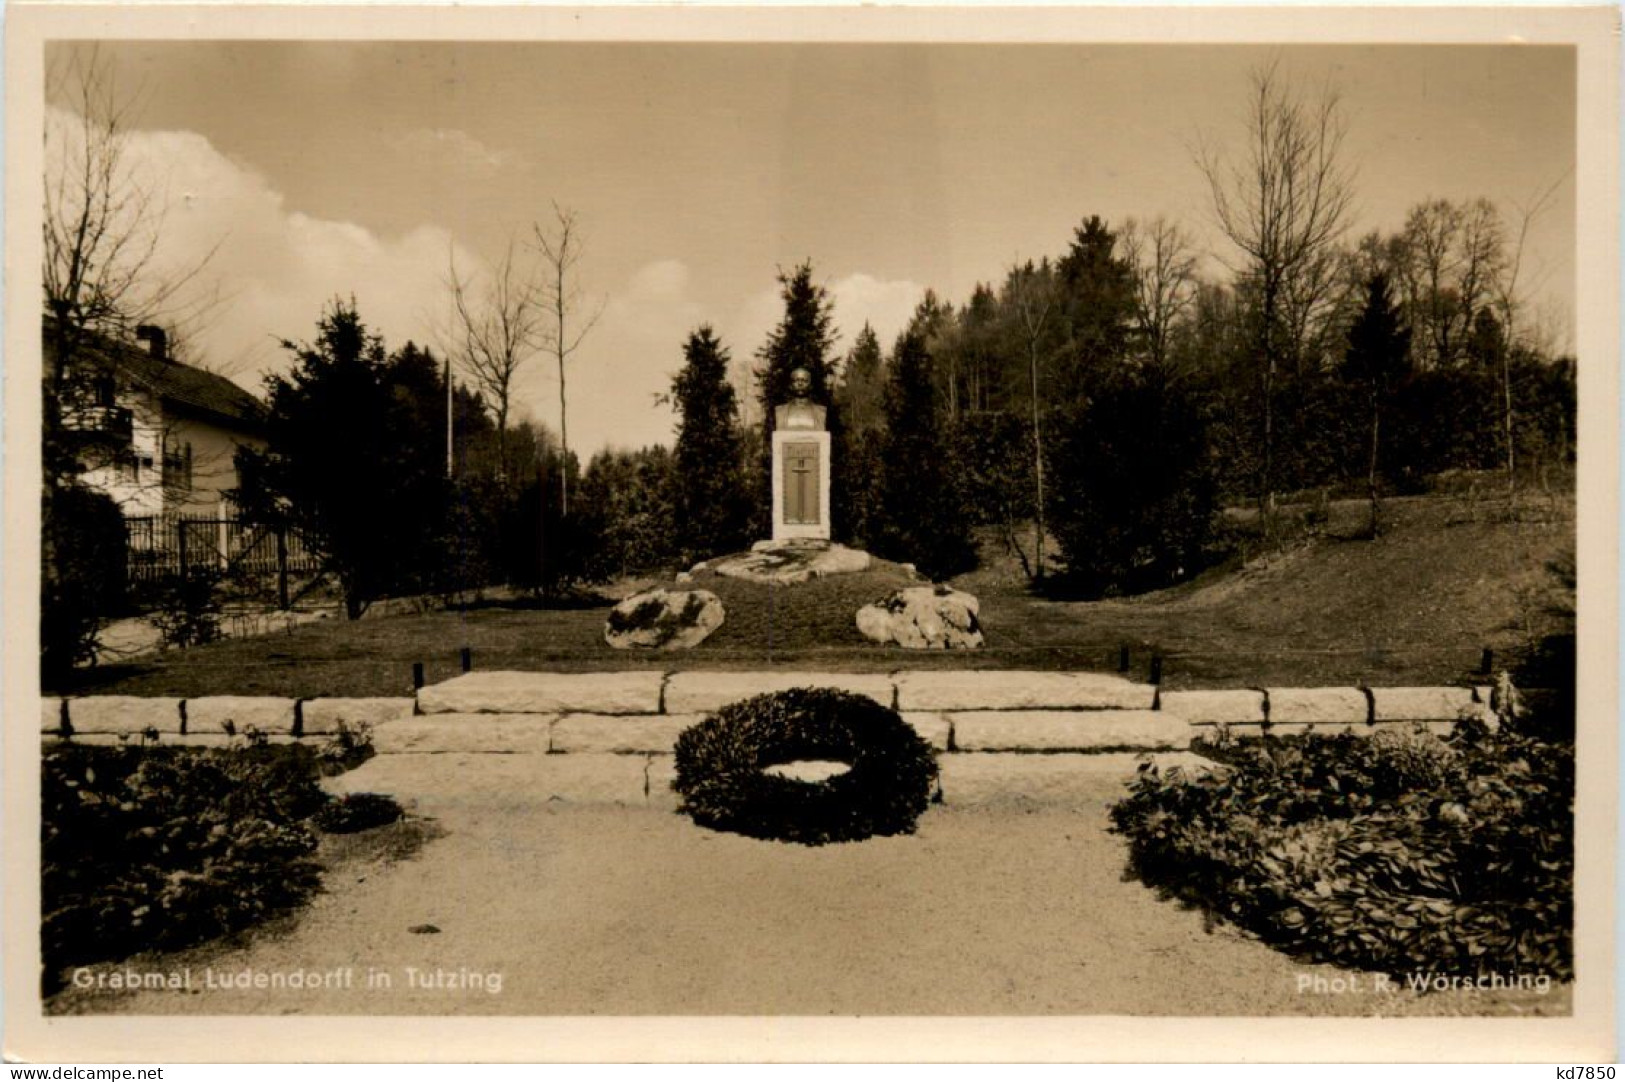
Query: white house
{"x":158,"y":436}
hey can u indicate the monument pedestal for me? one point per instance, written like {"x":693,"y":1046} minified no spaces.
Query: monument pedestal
{"x":800,"y":484}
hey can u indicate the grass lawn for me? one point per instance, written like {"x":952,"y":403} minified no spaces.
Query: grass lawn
{"x":1415,"y":607}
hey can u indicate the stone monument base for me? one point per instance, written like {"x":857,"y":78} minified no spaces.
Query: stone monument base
{"x":786,"y":562}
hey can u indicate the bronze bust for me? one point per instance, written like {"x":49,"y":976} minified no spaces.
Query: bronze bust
{"x":799,"y":412}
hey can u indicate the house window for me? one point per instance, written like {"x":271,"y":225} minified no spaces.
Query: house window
{"x":178,"y":468}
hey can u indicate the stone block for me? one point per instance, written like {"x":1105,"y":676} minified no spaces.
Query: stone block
{"x":1065,"y":778}
{"x":499,"y":781}
{"x":465,"y":733}
{"x":934,"y":729}
{"x":211,"y":714}
{"x":1014,"y":690}
{"x":1421,"y":704}
{"x":123,"y":714}
{"x":704,"y":692}
{"x":50,"y":715}
{"x":325,"y":715}
{"x":1069,"y":730}
{"x":1215,"y":707}
{"x":577,"y":733}
{"x":1318,"y":706}
{"x":635,"y":692}
{"x":661,"y":774}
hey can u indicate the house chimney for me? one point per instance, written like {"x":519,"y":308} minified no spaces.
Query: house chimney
{"x":155,"y":338}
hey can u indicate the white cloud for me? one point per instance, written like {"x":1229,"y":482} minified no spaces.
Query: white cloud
{"x":277,"y":268}
{"x":885,"y":304}
{"x":440,"y":147}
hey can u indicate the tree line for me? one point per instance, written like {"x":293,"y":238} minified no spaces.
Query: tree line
{"x":1090,"y":409}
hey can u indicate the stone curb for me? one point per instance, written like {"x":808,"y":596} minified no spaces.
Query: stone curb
{"x":631,"y":692}
{"x":501,"y":734}
{"x":703,"y":692}
{"x":1075,"y":730}
{"x":228,"y":714}
{"x":327,"y":715}
{"x":578,"y":733}
{"x":1014,"y":690}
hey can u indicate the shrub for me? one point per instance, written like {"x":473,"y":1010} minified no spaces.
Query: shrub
{"x":346,"y":749}
{"x":82,"y":578}
{"x":1401,"y":853}
{"x":355,"y":812}
{"x":187,"y":609}
{"x":723,"y":783}
{"x":163,"y":847}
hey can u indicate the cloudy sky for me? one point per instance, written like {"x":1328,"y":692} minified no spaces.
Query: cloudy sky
{"x":319,"y":169}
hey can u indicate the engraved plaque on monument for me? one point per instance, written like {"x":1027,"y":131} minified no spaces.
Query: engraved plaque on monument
{"x":800,"y":465}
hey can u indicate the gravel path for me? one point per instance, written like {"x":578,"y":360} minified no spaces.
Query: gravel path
{"x":601,"y":910}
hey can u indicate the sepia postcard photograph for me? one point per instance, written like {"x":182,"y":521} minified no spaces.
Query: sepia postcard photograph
{"x":899,"y":534}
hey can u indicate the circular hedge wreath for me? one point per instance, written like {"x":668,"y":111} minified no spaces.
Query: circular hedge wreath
{"x":722,"y":762}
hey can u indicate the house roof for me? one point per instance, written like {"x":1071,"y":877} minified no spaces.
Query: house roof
{"x":192,"y":390}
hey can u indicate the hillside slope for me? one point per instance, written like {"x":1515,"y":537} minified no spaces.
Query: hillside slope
{"x":1420,"y":603}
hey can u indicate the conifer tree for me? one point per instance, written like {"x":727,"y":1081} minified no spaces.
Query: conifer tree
{"x":712,"y":513}
{"x":860,"y":403}
{"x":1378,"y":344}
{"x":923,"y":520}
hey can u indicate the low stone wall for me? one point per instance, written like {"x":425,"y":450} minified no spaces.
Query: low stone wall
{"x":1294,"y":711}
{"x":642,"y":712}
{"x":216,"y":719}
{"x":1001,"y":736}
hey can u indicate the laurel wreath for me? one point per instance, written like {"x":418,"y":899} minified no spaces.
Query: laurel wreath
{"x":722,"y":763}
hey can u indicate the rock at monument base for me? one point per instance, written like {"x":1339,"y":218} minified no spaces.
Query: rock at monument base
{"x":924,"y":618}
{"x":662,"y":619}
{"x":785,"y":563}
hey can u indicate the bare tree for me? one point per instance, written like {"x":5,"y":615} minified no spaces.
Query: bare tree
{"x":101,"y":230}
{"x":564,"y":326}
{"x":1285,"y":204}
{"x":497,"y":325}
{"x":103,"y":220}
{"x":1507,"y":300}
{"x":1448,"y":259}
{"x":1034,"y":300}
{"x":1164,"y":262}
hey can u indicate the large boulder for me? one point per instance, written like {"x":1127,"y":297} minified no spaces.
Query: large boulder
{"x":661,"y":619}
{"x":924,"y":618}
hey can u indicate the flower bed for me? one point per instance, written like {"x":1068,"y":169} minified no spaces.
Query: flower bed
{"x":1400,"y":852}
